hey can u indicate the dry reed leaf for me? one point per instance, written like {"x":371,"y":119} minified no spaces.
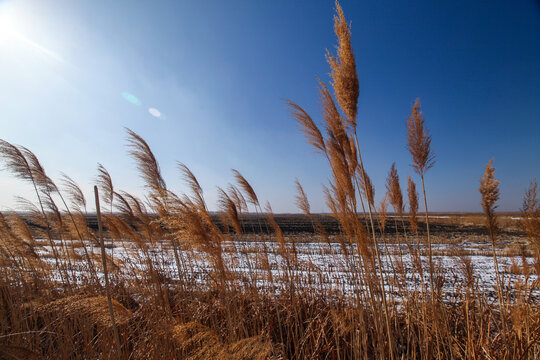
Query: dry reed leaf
{"x":197,"y":342}
{"x":12,"y":352}
{"x":254,"y":348}
{"x":91,"y":310}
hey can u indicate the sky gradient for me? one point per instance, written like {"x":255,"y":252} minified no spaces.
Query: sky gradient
{"x":203,"y":82}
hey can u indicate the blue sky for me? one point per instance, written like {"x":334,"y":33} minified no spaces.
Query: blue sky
{"x":217,"y":73}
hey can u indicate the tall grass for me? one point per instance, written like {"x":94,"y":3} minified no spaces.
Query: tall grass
{"x":185,"y":283}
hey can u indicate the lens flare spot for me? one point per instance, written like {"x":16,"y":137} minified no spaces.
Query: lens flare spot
{"x":154,"y":112}
{"x":131,"y":98}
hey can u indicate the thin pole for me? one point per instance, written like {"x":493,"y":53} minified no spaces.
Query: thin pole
{"x":106,"y":273}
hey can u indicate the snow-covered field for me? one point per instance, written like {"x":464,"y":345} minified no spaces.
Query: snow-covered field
{"x":321,"y":266}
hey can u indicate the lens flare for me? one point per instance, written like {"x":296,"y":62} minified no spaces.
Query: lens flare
{"x":131,"y":98}
{"x":154,"y":112}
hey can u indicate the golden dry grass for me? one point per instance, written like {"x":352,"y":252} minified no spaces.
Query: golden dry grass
{"x":289,"y":308}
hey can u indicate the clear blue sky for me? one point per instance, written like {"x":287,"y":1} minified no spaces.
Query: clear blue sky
{"x":216,"y":73}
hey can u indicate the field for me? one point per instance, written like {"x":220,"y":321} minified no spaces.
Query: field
{"x":57,"y":307}
{"x":165,"y":276}
{"x":321,"y":264}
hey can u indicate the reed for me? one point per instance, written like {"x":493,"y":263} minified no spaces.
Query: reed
{"x":489,"y":189}
{"x":189,"y":283}
{"x":413,"y":204}
{"x":423,"y":159}
{"x":531,"y":218}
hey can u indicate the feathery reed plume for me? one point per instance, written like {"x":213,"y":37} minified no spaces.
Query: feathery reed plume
{"x":239,"y":200}
{"x":139,"y":210}
{"x":343,"y":69}
{"x":531,"y":216}
{"x":74,"y":192}
{"x":308,"y":127}
{"x":382,"y":212}
{"x":301,"y":199}
{"x":394,"y":190}
{"x":38,"y":172}
{"x":20,"y":227}
{"x":146,"y":163}
{"x":367,"y":186}
{"x":78,"y":221}
{"x":228,"y":207}
{"x":246,"y":187}
{"x":17,"y":162}
{"x":19,"y":238}
{"x":335,"y":127}
{"x":413,"y":204}
{"x":489,"y":189}
{"x":193,"y":184}
{"x":105,"y":185}
{"x":123,"y":206}
{"x":419,"y":141}
{"x":419,"y":146}
{"x":346,"y":91}
{"x":190,"y":178}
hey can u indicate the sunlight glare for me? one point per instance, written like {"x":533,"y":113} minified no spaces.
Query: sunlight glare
{"x":8,"y":24}
{"x":12,"y":33}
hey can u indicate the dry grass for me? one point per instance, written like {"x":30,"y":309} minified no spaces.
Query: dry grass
{"x":198,"y":305}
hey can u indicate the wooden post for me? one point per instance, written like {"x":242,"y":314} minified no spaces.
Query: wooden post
{"x":106,"y":274}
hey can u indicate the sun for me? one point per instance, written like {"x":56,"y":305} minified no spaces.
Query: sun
{"x":9,"y":26}
{"x":13,"y":34}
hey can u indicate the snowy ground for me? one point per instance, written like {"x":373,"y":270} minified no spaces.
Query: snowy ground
{"x":323,"y":267}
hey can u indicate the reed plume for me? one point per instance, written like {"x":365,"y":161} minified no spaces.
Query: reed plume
{"x":146,"y":163}
{"x":393,"y":189}
{"x":367,"y":186}
{"x":383,"y":212}
{"x":239,"y":200}
{"x":419,"y":141}
{"x":74,"y":193}
{"x":531,"y":216}
{"x":38,"y":172}
{"x":301,"y":199}
{"x":229,"y":208}
{"x":489,"y":189}
{"x":17,"y":161}
{"x":413,"y":204}
{"x":193,"y":184}
{"x":246,"y":187}
{"x":335,"y":127}
{"x":105,"y":185}
{"x":346,"y":90}
{"x":308,"y":127}
{"x":343,"y":69}
{"x":419,"y":146}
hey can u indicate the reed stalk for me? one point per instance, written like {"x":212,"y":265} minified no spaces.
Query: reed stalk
{"x":489,"y":189}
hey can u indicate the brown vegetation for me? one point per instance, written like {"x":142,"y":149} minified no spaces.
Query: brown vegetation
{"x":197,"y":305}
